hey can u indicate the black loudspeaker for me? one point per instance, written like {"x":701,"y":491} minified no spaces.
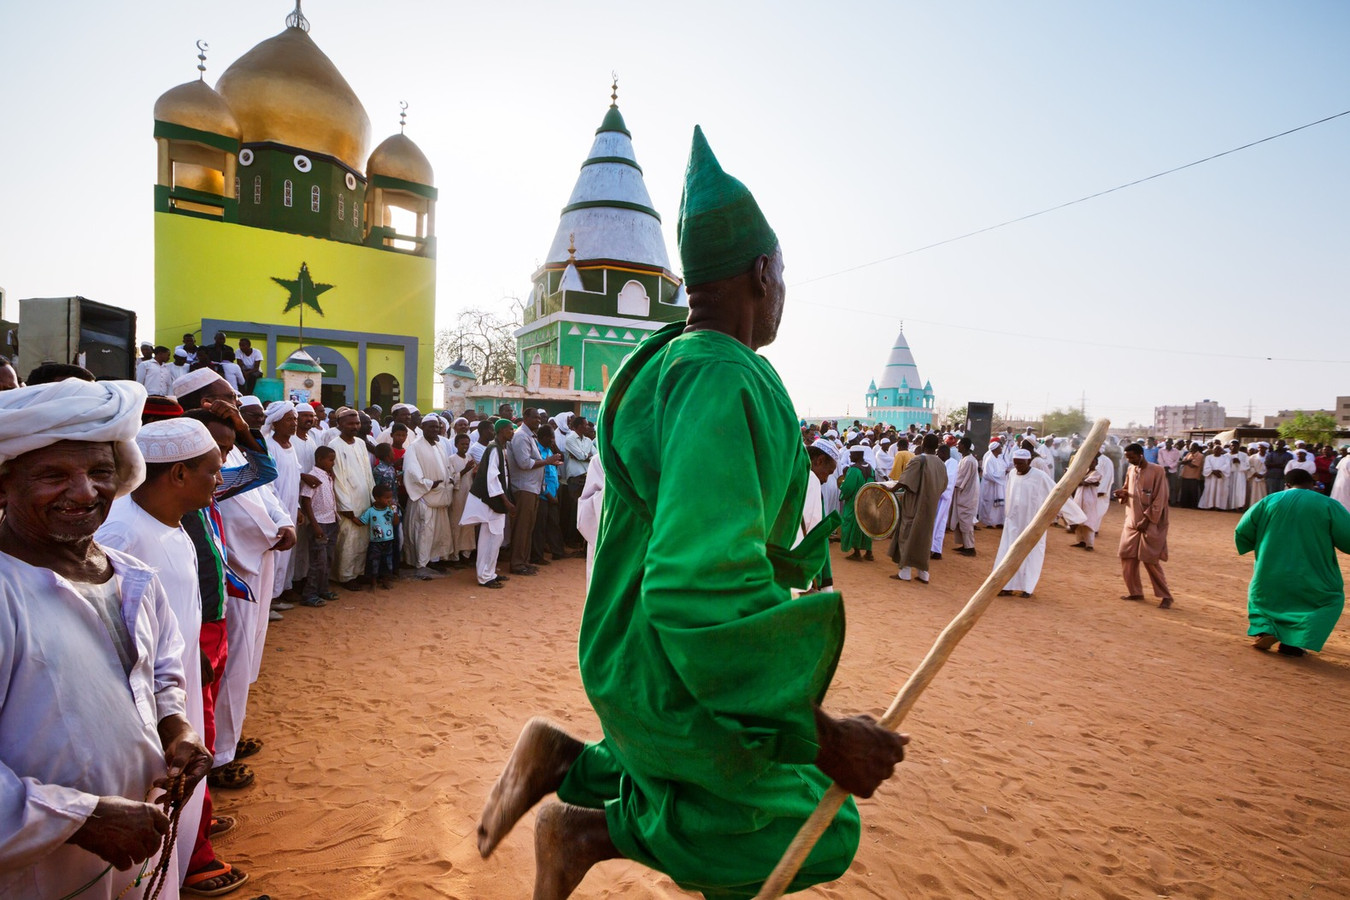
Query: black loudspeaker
{"x":108,"y":340}
{"x":979,"y":425}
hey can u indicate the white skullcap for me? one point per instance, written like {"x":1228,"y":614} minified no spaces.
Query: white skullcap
{"x":827,"y":448}
{"x":993,"y":444}
{"x":408,"y":406}
{"x":1021,"y":453}
{"x":832,"y":433}
{"x":249,"y":400}
{"x":460,"y":419}
{"x":194,"y":381}
{"x":174,"y":440}
{"x":73,"y":410}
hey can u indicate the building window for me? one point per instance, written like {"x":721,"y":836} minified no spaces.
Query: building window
{"x":342,"y":207}
{"x":356,"y":215}
{"x":286,"y":190}
{"x":257,"y":189}
{"x":236,"y":187}
{"x":314,"y":199}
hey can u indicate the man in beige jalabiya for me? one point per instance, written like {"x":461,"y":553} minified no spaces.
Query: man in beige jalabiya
{"x":1143,"y":539}
{"x":353,"y":480}
{"x":431,"y":491}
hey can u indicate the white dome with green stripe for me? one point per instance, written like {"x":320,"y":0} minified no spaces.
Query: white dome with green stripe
{"x":610,"y":214}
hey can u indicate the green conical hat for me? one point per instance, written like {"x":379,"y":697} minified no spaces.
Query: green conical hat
{"x":721,"y":230}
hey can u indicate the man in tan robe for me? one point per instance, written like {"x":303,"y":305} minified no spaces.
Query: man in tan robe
{"x":966,"y":498}
{"x":1143,"y":539}
{"x":353,"y":480}
{"x":921,"y":486}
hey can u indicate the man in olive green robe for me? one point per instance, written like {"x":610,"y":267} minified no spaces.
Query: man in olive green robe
{"x":705,"y":672}
{"x":1297,"y":593}
{"x":922,"y":484}
{"x":850,"y":532}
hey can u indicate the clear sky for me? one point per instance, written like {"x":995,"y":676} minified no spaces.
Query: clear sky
{"x":864,"y":129}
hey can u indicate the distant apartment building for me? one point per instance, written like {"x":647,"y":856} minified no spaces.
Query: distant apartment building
{"x":1176,"y":420}
{"x":1341,"y":414}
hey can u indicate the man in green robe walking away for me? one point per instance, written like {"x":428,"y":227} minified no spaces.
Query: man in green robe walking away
{"x":705,"y":672}
{"x":851,"y":536}
{"x":1297,"y":593}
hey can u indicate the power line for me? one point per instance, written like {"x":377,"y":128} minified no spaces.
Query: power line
{"x":1050,"y":209}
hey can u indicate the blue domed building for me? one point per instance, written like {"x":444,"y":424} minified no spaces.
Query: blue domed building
{"x":903,"y":398}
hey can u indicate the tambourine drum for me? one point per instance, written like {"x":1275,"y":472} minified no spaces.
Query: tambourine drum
{"x":877,"y":509}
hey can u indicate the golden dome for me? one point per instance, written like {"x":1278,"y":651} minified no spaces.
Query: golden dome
{"x":398,"y":157}
{"x":195,"y":105}
{"x":287,"y":91}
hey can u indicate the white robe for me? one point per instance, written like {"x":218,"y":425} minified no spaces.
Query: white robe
{"x":427,"y":524}
{"x":287,"y":491}
{"x":1237,"y":481}
{"x":1026,"y":493}
{"x":588,"y":510}
{"x":1215,"y":472}
{"x":952,"y":463}
{"x":74,"y":726}
{"x":170,"y":552}
{"x":992,"y":489}
{"x":1340,"y":489}
{"x":304,"y":454}
{"x":476,"y":512}
{"x":353,"y":480}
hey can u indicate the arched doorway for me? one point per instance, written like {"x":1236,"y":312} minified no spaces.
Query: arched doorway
{"x":384,"y":392}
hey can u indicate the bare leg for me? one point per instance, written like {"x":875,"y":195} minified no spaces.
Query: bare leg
{"x":568,"y":840}
{"x":543,"y":754}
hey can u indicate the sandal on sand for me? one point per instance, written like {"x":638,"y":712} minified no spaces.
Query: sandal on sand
{"x":1165,"y":603}
{"x":247,"y":747}
{"x":1132,"y":596}
{"x":1264,"y":642}
{"x":216,"y":880}
{"x":230,"y":776}
{"x":221,"y":825}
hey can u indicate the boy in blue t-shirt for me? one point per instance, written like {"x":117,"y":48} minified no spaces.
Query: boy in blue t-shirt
{"x":383,"y":521}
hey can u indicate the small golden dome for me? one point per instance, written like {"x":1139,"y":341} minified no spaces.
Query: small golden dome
{"x":288,"y":91}
{"x":398,"y":157}
{"x":195,"y":105}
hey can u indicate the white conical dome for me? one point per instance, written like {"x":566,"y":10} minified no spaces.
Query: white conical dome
{"x":900,"y":366}
{"x":610,"y":213}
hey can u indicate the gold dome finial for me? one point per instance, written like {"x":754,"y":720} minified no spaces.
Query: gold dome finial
{"x":297,"y":19}
{"x":202,"y":47}
{"x":402,"y":115}
{"x":572,"y":247}
{"x":614,"y":89}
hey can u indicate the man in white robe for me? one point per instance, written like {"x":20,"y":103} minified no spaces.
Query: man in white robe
{"x":1215,"y":473}
{"x":492,"y":524}
{"x":305,"y":443}
{"x":1028,"y":488}
{"x":279,"y":432}
{"x":431,"y":492}
{"x":1093,"y":497}
{"x":1340,"y":488}
{"x":993,"y":486}
{"x":952,"y":464}
{"x":93,"y":706}
{"x":183,"y":469}
{"x":353,"y":480}
{"x":1256,"y":474}
{"x":1303,"y":459}
{"x":1237,"y":479}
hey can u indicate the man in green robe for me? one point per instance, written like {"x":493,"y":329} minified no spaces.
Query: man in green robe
{"x":851,"y":536}
{"x":705,"y":672}
{"x":1296,"y":594}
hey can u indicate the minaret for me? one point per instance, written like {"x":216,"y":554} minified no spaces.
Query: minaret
{"x":197,"y":137}
{"x":606,"y":282}
{"x":402,"y":190}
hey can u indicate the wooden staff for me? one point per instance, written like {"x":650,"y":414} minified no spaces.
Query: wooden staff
{"x":946,"y":642}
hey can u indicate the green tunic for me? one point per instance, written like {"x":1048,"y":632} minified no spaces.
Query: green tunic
{"x":1296,"y":593}
{"x":702,"y":667}
{"x":851,"y":535}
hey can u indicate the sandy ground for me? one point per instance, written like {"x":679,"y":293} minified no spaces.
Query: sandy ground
{"x":1076,"y":745}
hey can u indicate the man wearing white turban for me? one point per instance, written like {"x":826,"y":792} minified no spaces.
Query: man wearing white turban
{"x":93,"y":714}
{"x":353,"y":480}
{"x":278,"y":431}
{"x":1028,"y":488}
{"x":431,"y":493}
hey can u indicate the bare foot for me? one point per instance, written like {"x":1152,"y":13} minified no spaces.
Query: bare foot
{"x":542,"y":756}
{"x":568,"y":840}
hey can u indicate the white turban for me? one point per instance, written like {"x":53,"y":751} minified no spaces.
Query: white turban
{"x":827,"y":448}
{"x":276,"y":411}
{"x":194,"y":381}
{"x":174,"y":440}
{"x":1021,"y":453}
{"x":73,"y":410}
{"x":560,"y":422}
{"x":993,"y":444}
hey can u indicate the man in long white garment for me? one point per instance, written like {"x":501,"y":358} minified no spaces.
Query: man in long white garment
{"x":1093,"y":496}
{"x":1340,"y":488}
{"x":966,"y":497}
{"x":992,"y":486}
{"x":477,"y":511}
{"x":431,"y":492}
{"x":1215,"y":473}
{"x":952,"y":464}
{"x":182,"y":471}
{"x":279,"y":432}
{"x":353,"y":480}
{"x":1027,"y":490}
{"x":93,"y":709}
{"x":305,"y":442}
{"x":1237,"y":477}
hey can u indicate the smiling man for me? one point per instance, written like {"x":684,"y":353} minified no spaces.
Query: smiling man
{"x":92,"y":701}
